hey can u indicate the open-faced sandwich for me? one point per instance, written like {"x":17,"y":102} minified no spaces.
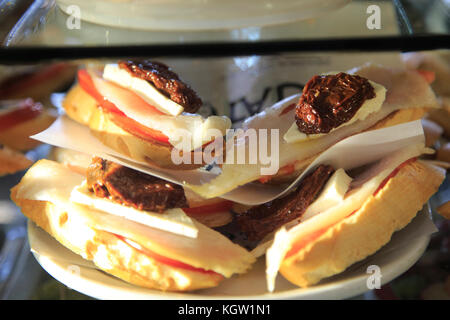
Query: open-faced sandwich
{"x":142,"y":229}
{"x":332,"y":107}
{"x":335,"y":218}
{"x":143,"y":110}
{"x":24,"y":94}
{"x":435,"y":64}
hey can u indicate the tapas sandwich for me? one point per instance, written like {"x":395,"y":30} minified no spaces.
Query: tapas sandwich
{"x":335,"y":218}
{"x":136,"y":227}
{"x":143,"y":110}
{"x":331,"y":107}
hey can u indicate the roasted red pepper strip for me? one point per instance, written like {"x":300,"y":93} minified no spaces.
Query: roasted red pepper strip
{"x":118,"y":117}
{"x":86,"y":83}
{"x":429,"y":76}
{"x":26,"y":110}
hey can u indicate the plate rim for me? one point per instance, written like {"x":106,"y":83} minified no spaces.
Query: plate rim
{"x":91,"y":287}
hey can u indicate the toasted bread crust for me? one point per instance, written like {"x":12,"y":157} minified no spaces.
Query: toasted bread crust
{"x":18,"y":137}
{"x":444,"y":210}
{"x":81,"y":107}
{"x":12,"y":161}
{"x":109,"y":253}
{"x":367,"y":230}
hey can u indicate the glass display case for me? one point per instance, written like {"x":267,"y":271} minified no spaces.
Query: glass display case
{"x":46,"y":25}
{"x":241,"y":58}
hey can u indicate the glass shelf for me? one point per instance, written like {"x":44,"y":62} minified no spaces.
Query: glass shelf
{"x":45,"y":32}
{"x":46,"y":25}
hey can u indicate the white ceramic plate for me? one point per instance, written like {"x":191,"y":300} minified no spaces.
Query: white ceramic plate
{"x":405,"y":248}
{"x":195,"y":14}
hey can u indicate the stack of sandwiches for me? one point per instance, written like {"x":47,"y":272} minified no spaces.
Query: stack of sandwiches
{"x":167,"y":236}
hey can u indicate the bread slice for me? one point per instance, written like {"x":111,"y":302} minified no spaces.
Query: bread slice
{"x":367,"y":230}
{"x":109,"y":252}
{"x":18,"y":137}
{"x":12,"y":161}
{"x":444,"y":210}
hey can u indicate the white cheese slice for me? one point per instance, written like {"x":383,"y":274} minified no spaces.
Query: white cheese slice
{"x":209,"y":251}
{"x":171,"y":220}
{"x":367,"y":185}
{"x":185,"y":131}
{"x":148,"y":92}
{"x":332,"y":194}
{"x":369,"y":106}
{"x":49,"y":181}
{"x":276,"y":254}
{"x":77,"y":161}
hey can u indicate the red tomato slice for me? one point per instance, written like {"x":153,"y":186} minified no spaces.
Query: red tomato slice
{"x":26,"y":110}
{"x":137,"y":129}
{"x":162,"y":259}
{"x":311,"y":237}
{"x":287,"y":169}
{"x":86,"y":83}
{"x":221,"y":206}
{"x":20,"y":83}
{"x":119,"y":118}
{"x":300,"y":244}
{"x":288,"y":109}
{"x":429,"y":76}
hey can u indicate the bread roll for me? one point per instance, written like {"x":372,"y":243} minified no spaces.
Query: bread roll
{"x":109,"y":252}
{"x":366,"y":231}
